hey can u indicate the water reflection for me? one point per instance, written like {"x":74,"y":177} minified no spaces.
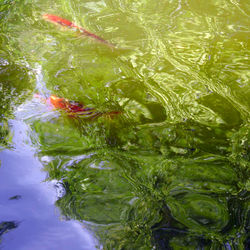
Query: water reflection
{"x":6,"y":226}
{"x":156,"y":189}
{"x":172,"y":172}
{"x":27,"y":203}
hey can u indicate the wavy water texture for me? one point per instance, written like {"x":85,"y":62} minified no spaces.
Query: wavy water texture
{"x":170,"y":172}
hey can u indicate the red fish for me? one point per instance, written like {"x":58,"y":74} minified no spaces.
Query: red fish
{"x":77,"y":109}
{"x":64,"y":22}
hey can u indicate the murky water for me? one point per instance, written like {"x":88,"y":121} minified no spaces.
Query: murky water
{"x":170,"y":170}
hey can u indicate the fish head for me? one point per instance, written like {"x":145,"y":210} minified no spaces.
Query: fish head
{"x":58,"y":102}
{"x":50,"y":17}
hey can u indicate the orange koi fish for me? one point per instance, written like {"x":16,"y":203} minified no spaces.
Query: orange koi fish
{"x":75,"y":109}
{"x":63,"y":22}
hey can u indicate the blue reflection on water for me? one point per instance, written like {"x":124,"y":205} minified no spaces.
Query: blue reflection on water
{"x":28,"y":216}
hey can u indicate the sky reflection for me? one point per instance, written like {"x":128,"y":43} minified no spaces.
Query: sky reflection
{"x":40,"y":225}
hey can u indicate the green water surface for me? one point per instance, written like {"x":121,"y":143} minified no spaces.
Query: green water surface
{"x":171,"y":171}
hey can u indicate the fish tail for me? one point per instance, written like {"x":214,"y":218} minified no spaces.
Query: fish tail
{"x":111,"y":114}
{"x":87,"y":33}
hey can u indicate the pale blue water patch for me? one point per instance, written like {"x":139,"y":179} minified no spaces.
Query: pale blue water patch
{"x":29,"y":218}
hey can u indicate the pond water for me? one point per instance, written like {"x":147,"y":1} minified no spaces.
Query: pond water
{"x":169,"y":169}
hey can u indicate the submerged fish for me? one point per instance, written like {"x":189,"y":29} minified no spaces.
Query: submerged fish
{"x":75,"y":109}
{"x":64,"y":22}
